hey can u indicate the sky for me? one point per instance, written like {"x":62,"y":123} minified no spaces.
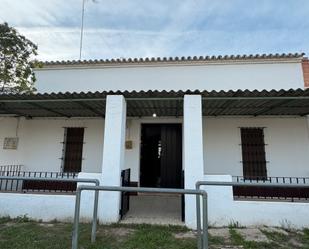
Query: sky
{"x":160,"y":28}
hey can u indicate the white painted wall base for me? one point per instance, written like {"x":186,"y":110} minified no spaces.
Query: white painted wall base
{"x":87,"y":197}
{"x":38,"y":206}
{"x":47,"y":207}
{"x":105,"y":202}
{"x":223,"y":210}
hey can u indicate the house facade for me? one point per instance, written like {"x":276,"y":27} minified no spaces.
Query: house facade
{"x":171,"y":122}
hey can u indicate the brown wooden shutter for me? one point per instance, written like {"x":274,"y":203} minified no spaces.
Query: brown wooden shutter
{"x":253,"y":153}
{"x":73,"y":143}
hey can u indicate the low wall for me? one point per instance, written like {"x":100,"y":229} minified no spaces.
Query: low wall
{"x":38,"y":206}
{"x":47,"y":207}
{"x":224,"y":210}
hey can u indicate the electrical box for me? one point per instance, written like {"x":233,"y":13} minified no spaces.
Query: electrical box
{"x":10,"y":143}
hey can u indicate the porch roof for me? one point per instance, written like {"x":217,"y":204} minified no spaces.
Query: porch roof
{"x":163,"y":103}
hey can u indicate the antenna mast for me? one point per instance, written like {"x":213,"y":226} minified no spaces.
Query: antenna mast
{"x":82,"y":30}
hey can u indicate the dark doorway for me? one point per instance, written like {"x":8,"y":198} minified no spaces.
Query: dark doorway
{"x":73,"y":149}
{"x":161,"y":155}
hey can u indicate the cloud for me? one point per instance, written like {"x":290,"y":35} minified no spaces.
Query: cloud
{"x":126,"y":28}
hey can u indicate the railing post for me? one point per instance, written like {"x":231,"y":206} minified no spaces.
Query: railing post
{"x":95,"y":216}
{"x":76,"y":219}
{"x":205,"y":221}
{"x":133,"y":189}
{"x":198,"y":219}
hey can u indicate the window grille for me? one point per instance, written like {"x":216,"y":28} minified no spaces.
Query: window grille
{"x":73,"y":149}
{"x":253,"y":153}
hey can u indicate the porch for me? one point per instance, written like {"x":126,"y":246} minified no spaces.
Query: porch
{"x":211,"y":129}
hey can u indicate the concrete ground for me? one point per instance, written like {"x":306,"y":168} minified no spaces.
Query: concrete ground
{"x":154,"y":209}
{"x":252,"y":237}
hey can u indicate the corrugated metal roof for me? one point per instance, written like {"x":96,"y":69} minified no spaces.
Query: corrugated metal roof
{"x":175,"y":59}
{"x":163,"y":103}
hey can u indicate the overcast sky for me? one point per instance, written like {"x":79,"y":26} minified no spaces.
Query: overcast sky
{"x":146,"y":28}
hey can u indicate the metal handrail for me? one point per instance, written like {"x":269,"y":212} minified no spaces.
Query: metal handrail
{"x":202,"y":193}
{"x":243,"y":184}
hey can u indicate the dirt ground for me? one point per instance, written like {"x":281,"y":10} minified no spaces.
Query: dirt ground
{"x":25,"y":234}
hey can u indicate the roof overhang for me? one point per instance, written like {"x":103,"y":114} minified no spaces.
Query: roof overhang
{"x":163,"y":103}
{"x":172,"y":61}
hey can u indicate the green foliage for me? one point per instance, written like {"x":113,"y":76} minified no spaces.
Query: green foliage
{"x":5,"y":219}
{"x":16,"y":61}
{"x":236,"y":238}
{"x":22,"y":219}
{"x":305,"y":238}
{"x":235,"y":224}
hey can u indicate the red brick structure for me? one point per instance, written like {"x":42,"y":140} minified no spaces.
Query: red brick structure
{"x":305,"y":65}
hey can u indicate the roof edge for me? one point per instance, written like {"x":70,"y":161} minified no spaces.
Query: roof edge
{"x":154,"y":93}
{"x":284,"y":57}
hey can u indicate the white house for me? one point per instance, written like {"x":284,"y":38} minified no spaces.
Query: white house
{"x":172,"y":122}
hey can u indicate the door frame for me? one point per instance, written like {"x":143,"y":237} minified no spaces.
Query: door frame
{"x":158,"y":122}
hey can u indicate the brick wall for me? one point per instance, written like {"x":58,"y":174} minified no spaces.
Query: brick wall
{"x":305,"y":64}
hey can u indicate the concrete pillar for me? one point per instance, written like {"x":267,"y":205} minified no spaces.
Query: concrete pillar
{"x":113,"y":156}
{"x":193,"y":151}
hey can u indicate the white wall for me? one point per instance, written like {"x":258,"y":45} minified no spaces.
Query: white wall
{"x":223,"y":210}
{"x":40,"y":143}
{"x":174,"y":77}
{"x":287,"y":148}
{"x":40,"y":149}
{"x":38,"y":206}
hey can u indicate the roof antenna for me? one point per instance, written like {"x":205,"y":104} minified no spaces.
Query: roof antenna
{"x":82,"y":28}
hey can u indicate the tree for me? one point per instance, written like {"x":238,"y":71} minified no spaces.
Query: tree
{"x":16,"y":61}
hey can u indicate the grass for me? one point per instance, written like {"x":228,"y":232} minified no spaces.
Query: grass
{"x":22,"y":233}
{"x":32,"y":235}
{"x":237,"y":239}
{"x":305,"y":238}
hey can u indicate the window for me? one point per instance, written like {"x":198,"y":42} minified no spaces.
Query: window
{"x":253,"y":153}
{"x":73,"y":149}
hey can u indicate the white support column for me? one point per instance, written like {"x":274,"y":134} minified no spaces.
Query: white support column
{"x":193,"y":151}
{"x":113,"y":156}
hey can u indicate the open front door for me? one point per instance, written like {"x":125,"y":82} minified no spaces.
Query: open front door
{"x":161,"y":155}
{"x":171,"y":156}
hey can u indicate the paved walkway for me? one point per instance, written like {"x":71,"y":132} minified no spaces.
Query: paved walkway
{"x":154,"y":209}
